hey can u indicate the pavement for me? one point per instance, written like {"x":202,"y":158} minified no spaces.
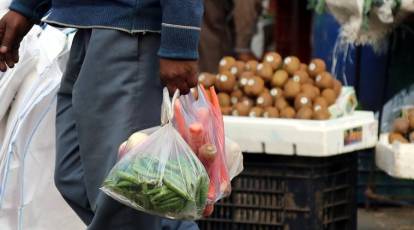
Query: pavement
{"x":386,"y":219}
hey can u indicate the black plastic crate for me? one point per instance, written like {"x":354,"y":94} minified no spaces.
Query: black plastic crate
{"x":399,"y":190}
{"x":289,"y":193}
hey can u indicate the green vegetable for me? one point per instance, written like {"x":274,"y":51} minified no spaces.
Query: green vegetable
{"x":175,"y":188}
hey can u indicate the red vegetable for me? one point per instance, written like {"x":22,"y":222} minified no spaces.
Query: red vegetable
{"x":196,"y":137}
{"x":207,"y":154}
{"x":179,"y":119}
{"x":208,"y":210}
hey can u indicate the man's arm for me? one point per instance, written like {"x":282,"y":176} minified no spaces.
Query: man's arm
{"x":180,"y":35}
{"x":34,"y":10}
{"x":14,"y":26}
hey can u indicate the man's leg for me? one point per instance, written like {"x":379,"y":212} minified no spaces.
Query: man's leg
{"x":215,"y":40}
{"x":118,"y":91}
{"x":69,"y":170}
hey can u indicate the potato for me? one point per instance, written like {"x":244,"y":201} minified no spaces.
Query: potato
{"x":225,"y":82}
{"x":301,"y":77}
{"x":256,"y":112}
{"x":207,"y":79}
{"x":265,"y":71}
{"x":271,"y":112}
{"x":321,"y":114}
{"x":288,"y":113}
{"x":291,"y":64}
{"x":401,"y":125}
{"x":281,"y":103}
{"x":276,"y":93}
{"x":411,"y":137}
{"x":241,"y":109}
{"x":224,"y":99}
{"x":411,"y":120}
{"x":316,"y":67}
{"x":274,"y":59}
{"x":324,"y":80}
{"x":264,"y":100}
{"x":302,"y":100}
{"x":397,"y":137}
{"x":330,"y":96}
{"x":304,"y":113}
{"x":279,"y":78}
{"x":291,"y":89}
{"x":226,"y":63}
{"x":255,"y":86}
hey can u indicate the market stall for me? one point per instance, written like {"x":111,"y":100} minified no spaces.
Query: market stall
{"x":299,"y":132}
{"x":394,"y":152}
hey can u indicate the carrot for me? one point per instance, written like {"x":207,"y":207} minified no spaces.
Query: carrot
{"x":211,"y":195}
{"x":179,"y":118}
{"x":214,"y":99}
{"x":209,"y":209}
{"x":196,"y":137}
{"x":225,"y":186}
{"x":203,"y":114}
{"x":206,"y":94}
{"x":207,"y":154}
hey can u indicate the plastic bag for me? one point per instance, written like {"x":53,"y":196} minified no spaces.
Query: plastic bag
{"x":161,"y":175}
{"x":200,"y":123}
{"x":396,"y":107}
{"x":368,"y":22}
{"x":234,"y":158}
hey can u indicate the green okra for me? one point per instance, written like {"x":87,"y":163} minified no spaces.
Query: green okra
{"x":164,"y":191}
{"x":176,"y":206}
{"x":154,"y":191}
{"x":176,"y":187}
{"x":172,"y":201}
{"x":181,"y":183}
{"x":124,"y":183}
{"x":202,"y":191}
{"x":165,"y":197}
{"x":128,"y":177}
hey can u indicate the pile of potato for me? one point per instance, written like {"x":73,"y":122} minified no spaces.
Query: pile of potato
{"x":274,"y":88}
{"x":403,"y":129}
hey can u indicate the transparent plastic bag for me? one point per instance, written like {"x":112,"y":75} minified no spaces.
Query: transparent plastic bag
{"x":234,"y":158}
{"x":398,"y":106}
{"x":200,"y":123}
{"x":160,"y":174}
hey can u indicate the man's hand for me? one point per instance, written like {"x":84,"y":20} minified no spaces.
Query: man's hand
{"x":13,"y":27}
{"x":177,"y":74}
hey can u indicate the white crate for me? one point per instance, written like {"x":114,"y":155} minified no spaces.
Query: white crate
{"x":397,"y":159}
{"x":303,"y":137}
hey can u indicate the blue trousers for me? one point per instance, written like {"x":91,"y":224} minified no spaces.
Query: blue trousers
{"x":110,"y":89}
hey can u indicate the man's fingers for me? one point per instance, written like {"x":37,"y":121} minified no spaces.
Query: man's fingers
{"x":171,"y":89}
{"x":183,"y":87}
{"x":8,"y":40}
{"x":180,"y":85}
{"x":15,"y":55}
{"x":3,"y":66}
{"x":9,"y":59}
{"x":192,"y":80}
{"x":2,"y":29}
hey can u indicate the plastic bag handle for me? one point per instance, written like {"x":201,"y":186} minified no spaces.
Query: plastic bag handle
{"x":167,"y":108}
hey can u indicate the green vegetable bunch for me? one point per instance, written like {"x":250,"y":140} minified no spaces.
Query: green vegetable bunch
{"x":172,"y":188}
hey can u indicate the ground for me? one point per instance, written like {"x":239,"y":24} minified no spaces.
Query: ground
{"x":386,"y":219}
